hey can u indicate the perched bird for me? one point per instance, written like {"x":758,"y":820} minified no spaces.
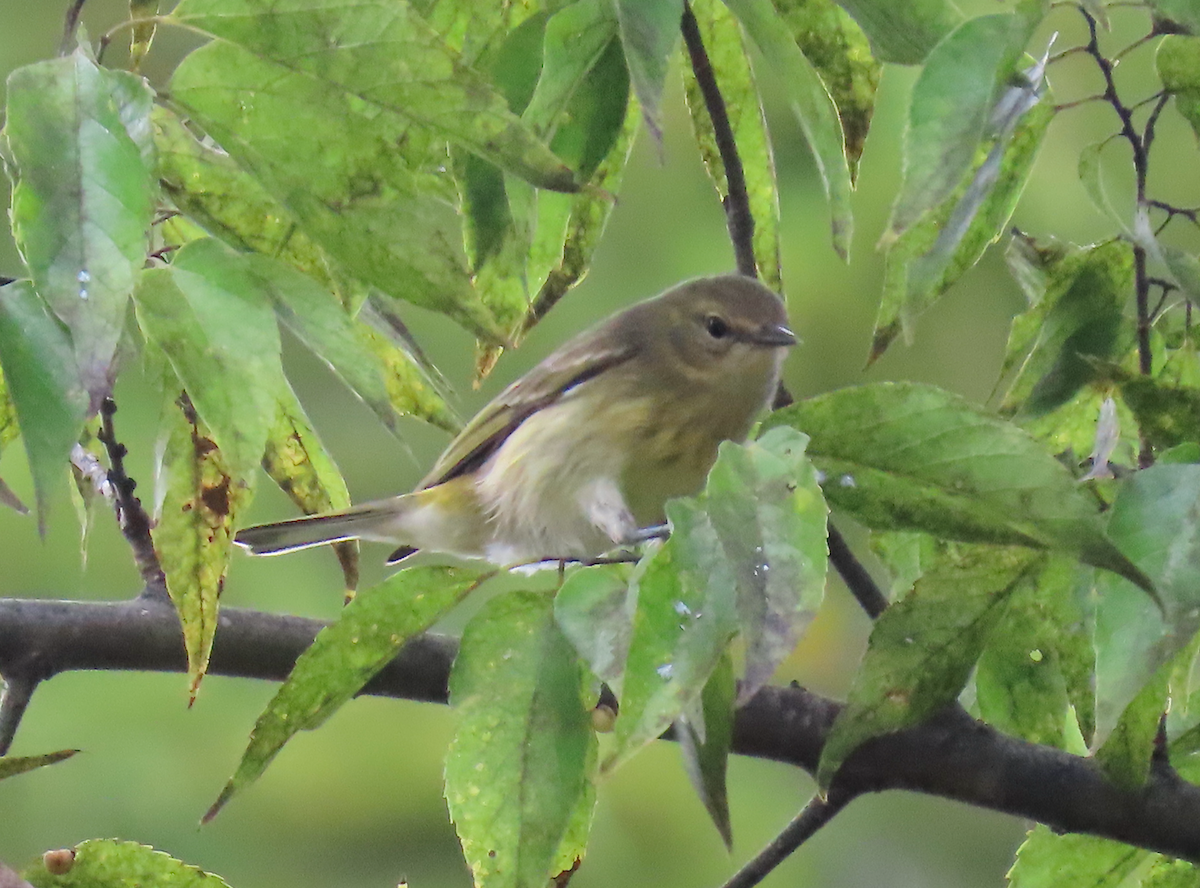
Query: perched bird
{"x":582,"y":452}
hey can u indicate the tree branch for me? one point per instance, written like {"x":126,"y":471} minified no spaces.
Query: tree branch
{"x":803,"y":827}
{"x":131,"y":516}
{"x":951,"y":755}
{"x":18,"y":691}
{"x":738,"y":217}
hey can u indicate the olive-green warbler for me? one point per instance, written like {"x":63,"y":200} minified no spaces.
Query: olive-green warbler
{"x":583,"y":451}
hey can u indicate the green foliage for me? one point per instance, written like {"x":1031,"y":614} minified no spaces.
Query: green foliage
{"x":517,"y":689}
{"x":10,"y":766}
{"x":923,"y":648}
{"x":809,"y":100}
{"x":108,"y":863}
{"x":345,"y":656}
{"x":325,"y":167}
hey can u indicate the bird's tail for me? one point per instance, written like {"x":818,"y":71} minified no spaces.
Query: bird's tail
{"x":373,"y":521}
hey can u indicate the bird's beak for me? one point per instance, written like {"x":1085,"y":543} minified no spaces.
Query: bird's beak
{"x":773,"y":335}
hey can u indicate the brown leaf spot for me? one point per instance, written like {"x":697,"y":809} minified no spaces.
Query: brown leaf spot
{"x":216,"y":498}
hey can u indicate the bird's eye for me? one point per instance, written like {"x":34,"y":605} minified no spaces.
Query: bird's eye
{"x":716,"y":326}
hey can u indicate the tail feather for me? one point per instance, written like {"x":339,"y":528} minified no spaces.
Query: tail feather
{"x":363,"y":522}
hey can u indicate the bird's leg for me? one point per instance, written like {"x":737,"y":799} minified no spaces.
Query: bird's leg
{"x":646,"y":534}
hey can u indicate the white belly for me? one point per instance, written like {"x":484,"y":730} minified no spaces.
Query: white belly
{"x":552,"y":493}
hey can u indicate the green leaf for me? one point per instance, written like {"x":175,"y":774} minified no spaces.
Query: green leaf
{"x":141,"y":35}
{"x":1177,"y":60}
{"x":1126,"y":753}
{"x":1091,"y":175}
{"x":923,"y":648}
{"x":522,"y":242}
{"x":360,"y":357}
{"x":414,"y":387}
{"x":9,"y":430}
{"x":496,"y":225}
{"x":1052,"y":860}
{"x":810,"y":102}
{"x":902,"y":456}
{"x":903,"y":33}
{"x":568,"y":255}
{"x":229,"y":203}
{"x":109,"y":863}
{"x":83,"y":198}
{"x":298,"y":462}
{"x":1180,"y":12}
{"x":835,"y":44}
{"x":952,"y":101}
{"x":935,"y":252}
{"x":10,"y":765}
{"x":1168,"y":873}
{"x":1021,"y":684}
{"x":731,"y":67}
{"x":201,"y":496}
{"x":575,"y":39}
{"x":748,"y":555}
{"x":48,"y":398}
{"x":209,"y":314}
{"x":1167,"y":414}
{"x":649,"y":31}
{"x":387,"y":219}
{"x":686,"y":615}
{"x":345,"y":656}
{"x":705,"y":747}
{"x":1079,"y":322}
{"x":523,"y":757}
{"x":594,"y":608}
{"x":388,"y":57}
{"x":769,"y":515}
{"x":1155,"y":519}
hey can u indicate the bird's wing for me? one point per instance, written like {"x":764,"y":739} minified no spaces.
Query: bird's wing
{"x":571,"y":365}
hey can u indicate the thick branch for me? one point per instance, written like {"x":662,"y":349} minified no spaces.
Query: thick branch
{"x":952,"y":755}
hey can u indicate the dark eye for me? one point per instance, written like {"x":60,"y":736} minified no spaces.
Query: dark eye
{"x":716,"y":326}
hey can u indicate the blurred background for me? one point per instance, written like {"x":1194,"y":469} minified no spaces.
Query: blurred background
{"x":359,"y":803}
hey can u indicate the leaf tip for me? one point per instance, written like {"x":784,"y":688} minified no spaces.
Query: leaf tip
{"x":216,"y":806}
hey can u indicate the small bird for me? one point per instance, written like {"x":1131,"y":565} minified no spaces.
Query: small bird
{"x":581,"y":454}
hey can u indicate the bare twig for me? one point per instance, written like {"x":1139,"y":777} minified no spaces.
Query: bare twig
{"x":864,"y":589}
{"x":804,"y":826}
{"x":737,"y":202}
{"x":131,"y":516}
{"x":70,"y":26}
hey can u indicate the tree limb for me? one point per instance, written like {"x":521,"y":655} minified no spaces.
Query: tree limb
{"x":951,"y":755}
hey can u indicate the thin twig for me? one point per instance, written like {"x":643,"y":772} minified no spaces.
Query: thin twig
{"x":1191,"y":214}
{"x":1141,"y":41}
{"x":1092,"y":48}
{"x":70,"y":25}
{"x":18,"y":689}
{"x":1152,"y":121}
{"x":131,"y":516}
{"x":804,"y":826}
{"x":1067,"y":106}
{"x":737,"y":201}
{"x":864,"y":589}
